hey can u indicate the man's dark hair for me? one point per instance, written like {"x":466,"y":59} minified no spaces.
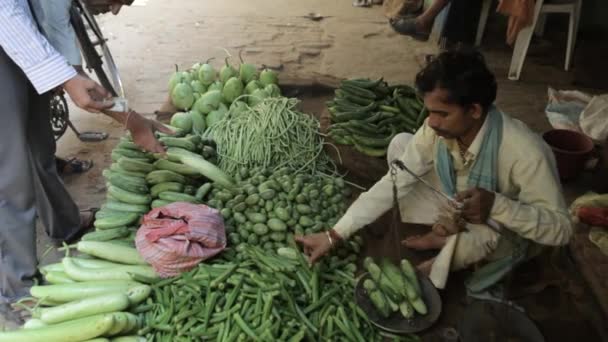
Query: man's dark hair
{"x":465,"y":76}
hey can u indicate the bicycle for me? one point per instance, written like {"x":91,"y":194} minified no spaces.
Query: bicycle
{"x":98,"y":59}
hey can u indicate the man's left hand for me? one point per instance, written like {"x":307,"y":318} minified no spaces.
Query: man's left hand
{"x":477,"y":204}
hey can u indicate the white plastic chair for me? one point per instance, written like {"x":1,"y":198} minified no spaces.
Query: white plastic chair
{"x":541,"y":9}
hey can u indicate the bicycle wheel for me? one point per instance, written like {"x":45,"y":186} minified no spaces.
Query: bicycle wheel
{"x":95,"y":49}
{"x":60,"y":115}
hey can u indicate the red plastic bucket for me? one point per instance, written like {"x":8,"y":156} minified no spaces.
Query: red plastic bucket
{"x":571,"y":150}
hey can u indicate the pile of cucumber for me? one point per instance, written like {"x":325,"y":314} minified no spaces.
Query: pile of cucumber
{"x":138,"y":181}
{"x":368,"y":114}
{"x":393,"y":289}
{"x":267,"y":207}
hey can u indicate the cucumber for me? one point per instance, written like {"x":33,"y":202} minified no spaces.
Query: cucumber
{"x":129,"y":145}
{"x":164,"y":164}
{"x":410,"y":275}
{"x":125,"y":182}
{"x":375,"y":295}
{"x":159,"y":203}
{"x":105,"y":235}
{"x":128,"y":196}
{"x":172,"y":196}
{"x":122,"y":220}
{"x":118,"y":169}
{"x":163,"y":176}
{"x":134,"y":165}
{"x":126,"y":207}
{"x":167,"y":186}
{"x":203,"y":191}
{"x":106,"y":212}
{"x":131,"y":153}
{"x":184,"y":143}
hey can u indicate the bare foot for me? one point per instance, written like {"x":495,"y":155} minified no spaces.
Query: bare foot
{"x":424,"y":242}
{"x":425,"y":266}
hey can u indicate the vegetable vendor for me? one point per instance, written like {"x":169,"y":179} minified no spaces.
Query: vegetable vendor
{"x":493,"y":164}
{"x":31,"y":69}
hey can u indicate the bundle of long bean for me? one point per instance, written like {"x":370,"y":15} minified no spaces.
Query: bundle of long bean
{"x":271,"y":134}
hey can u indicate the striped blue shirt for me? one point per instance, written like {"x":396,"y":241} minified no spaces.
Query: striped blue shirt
{"x":26,"y":46}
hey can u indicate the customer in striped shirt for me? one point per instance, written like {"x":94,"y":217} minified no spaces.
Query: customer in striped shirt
{"x":30,"y":68}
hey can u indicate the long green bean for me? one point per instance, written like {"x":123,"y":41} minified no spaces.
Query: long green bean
{"x":272,"y":134}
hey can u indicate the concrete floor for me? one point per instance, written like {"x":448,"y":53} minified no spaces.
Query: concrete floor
{"x":148,"y":38}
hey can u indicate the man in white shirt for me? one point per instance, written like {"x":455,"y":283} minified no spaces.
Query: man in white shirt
{"x":494,"y":165}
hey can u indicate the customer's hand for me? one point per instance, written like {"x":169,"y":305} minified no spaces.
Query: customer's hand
{"x":142,"y":132}
{"x":87,"y":94}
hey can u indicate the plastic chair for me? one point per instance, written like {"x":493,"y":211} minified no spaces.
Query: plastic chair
{"x":541,"y":9}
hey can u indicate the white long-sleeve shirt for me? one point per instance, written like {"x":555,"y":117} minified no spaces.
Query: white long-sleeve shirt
{"x":528,"y":201}
{"x":26,"y":46}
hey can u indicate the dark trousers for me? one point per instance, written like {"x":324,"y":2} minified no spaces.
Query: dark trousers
{"x":29,"y":184}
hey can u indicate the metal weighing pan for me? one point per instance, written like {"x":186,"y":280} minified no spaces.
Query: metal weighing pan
{"x":396,"y":323}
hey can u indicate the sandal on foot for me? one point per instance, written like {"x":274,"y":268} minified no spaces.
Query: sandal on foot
{"x":87,"y":219}
{"x":73,"y":165}
{"x":407,"y":26}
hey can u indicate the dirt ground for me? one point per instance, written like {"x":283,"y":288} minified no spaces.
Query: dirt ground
{"x":150,"y":37}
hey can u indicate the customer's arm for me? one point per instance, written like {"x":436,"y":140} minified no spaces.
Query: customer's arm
{"x":26,"y":46}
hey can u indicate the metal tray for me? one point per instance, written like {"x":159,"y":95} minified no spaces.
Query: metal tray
{"x":396,"y":323}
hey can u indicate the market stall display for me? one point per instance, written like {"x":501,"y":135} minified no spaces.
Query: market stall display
{"x":241,"y":148}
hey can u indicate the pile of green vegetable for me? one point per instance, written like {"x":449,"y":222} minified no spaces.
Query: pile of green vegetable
{"x":391,"y":289}
{"x":96,"y":297}
{"x":268,"y":207}
{"x":273,"y":134}
{"x":368,"y":114}
{"x":205,"y":95}
{"x":251,"y":294}
{"x":138,"y":181}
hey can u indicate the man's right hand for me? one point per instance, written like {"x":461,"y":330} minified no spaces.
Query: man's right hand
{"x":142,"y":131}
{"x":87,"y":94}
{"x":315,"y":245}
